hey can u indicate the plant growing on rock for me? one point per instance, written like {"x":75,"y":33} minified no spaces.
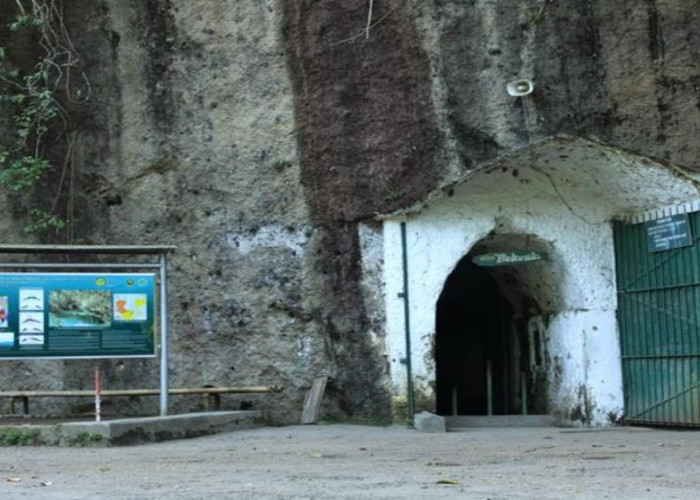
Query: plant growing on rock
{"x":29,"y":101}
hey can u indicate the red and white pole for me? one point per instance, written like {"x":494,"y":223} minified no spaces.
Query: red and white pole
{"x":98,"y":390}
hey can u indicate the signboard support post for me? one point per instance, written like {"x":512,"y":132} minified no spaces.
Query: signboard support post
{"x":163,"y":337}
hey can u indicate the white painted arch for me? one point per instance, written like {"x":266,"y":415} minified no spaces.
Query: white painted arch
{"x":564,"y":192}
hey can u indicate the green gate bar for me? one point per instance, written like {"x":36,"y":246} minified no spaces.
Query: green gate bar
{"x":658,"y":302}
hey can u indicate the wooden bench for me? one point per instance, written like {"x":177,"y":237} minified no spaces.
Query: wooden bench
{"x":209,"y":394}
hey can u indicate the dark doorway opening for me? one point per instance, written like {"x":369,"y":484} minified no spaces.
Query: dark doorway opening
{"x":470,"y":339}
{"x":488,"y":349}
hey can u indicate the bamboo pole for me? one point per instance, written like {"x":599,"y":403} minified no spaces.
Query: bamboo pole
{"x":145,"y":392}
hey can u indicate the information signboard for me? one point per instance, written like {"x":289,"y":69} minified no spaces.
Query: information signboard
{"x":77,"y":315}
{"x":668,"y":233}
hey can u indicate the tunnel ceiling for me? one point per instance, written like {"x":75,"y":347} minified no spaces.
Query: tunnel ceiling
{"x":533,"y":288}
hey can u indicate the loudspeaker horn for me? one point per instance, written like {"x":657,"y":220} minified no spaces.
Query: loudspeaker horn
{"x":520,"y":88}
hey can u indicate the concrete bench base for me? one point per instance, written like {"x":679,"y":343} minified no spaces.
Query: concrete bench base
{"x":140,"y":430}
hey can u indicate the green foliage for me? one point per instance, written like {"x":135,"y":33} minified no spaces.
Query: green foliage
{"x":22,"y":436}
{"x":21,"y":174}
{"x":394,"y":195}
{"x":376,"y":422}
{"x":83,"y":439}
{"x":34,"y":104}
{"x":13,"y":436}
{"x":36,"y":118}
{"x":24,"y":20}
{"x":43,"y":221}
{"x":533,"y":13}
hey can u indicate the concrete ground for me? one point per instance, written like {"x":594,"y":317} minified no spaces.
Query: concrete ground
{"x":358,"y":462}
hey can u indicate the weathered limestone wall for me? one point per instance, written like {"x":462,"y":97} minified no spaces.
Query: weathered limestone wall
{"x":624,"y":71}
{"x":189,"y":139}
{"x":209,"y":162}
{"x":257,"y":134}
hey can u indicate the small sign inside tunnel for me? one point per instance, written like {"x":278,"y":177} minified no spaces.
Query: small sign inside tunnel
{"x":507,"y":258}
{"x":668,"y":233}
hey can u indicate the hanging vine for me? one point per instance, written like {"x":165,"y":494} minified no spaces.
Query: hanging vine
{"x":31,"y":97}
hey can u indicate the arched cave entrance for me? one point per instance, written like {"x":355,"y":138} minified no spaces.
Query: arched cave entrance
{"x":489,"y":345}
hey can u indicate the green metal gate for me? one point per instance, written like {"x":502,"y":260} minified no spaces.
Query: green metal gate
{"x":659,"y":318}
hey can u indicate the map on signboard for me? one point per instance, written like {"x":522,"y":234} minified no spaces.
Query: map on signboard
{"x":130,"y":307}
{"x":3,"y":311}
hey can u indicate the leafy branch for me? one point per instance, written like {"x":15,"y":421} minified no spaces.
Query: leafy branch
{"x":533,"y":14}
{"x":370,"y":24}
{"x":32,"y":96}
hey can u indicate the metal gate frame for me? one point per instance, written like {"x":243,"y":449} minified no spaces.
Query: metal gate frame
{"x":659,"y":322}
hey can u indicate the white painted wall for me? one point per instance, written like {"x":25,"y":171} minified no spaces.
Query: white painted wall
{"x":582,"y":338}
{"x":565,"y":191}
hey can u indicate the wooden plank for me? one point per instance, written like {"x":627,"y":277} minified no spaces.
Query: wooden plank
{"x":144,"y":392}
{"x":312,"y":401}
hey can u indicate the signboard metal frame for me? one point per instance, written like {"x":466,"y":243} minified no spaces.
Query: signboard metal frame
{"x":160,"y":252}
{"x":89,"y":332}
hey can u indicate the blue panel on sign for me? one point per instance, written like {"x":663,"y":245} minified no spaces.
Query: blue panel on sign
{"x":77,"y":315}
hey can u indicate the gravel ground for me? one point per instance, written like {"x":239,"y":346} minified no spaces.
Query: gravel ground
{"x":358,"y":462}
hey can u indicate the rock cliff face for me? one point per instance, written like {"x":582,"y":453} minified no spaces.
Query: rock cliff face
{"x":256,"y":134}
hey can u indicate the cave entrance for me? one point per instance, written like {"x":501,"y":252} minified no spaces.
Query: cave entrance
{"x":490,"y":334}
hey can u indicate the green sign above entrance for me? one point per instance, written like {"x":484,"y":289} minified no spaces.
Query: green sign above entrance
{"x":78,"y":315}
{"x":507,"y":258}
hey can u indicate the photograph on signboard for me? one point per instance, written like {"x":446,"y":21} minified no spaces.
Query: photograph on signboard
{"x":31,"y":322}
{"x":7,"y":340}
{"x":31,"y":339}
{"x":31,"y":299}
{"x":80,"y":308}
{"x":130,"y":307}
{"x":3,"y":311}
